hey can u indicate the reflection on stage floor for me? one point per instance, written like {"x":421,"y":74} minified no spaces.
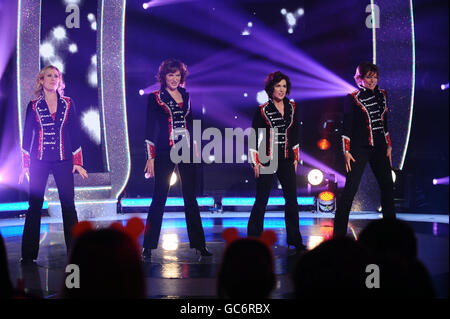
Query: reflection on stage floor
{"x":176,"y":271}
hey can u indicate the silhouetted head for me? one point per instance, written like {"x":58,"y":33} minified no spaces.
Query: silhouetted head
{"x":335,"y":268}
{"x":246,"y":270}
{"x":109,"y":265}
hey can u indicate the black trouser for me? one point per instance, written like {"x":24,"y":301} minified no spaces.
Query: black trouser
{"x":163,"y":170}
{"x":381,"y":168}
{"x":287,"y":177}
{"x":39,"y":171}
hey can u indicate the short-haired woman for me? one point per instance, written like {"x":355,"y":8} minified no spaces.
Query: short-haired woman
{"x":279,"y":118}
{"x":365,"y":139}
{"x":169,"y":121}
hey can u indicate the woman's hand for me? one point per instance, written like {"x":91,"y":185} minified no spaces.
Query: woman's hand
{"x":348,"y":159}
{"x":256,"y":170}
{"x":25,"y":171}
{"x":150,"y":167}
{"x":389,"y":154}
{"x":80,"y":171}
{"x":295,"y":166}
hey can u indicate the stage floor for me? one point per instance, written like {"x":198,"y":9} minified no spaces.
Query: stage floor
{"x":177,"y":272}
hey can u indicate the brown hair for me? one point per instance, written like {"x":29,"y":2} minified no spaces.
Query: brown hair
{"x":274,"y":78}
{"x":171,"y":66}
{"x":362,"y":70}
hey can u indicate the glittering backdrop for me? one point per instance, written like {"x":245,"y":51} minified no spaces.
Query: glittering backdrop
{"x":211,"y":43}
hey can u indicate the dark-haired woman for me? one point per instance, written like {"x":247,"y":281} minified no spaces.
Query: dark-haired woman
{"x":50,"y":144}
{"x":169,"y":122}
{"x":279,"y":119}
{"x":365,"y":139}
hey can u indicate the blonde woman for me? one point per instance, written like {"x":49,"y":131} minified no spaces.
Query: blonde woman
{"x":50,"y":144}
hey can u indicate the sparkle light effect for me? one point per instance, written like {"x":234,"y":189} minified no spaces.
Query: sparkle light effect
{"x":51,"y":47}
{"x":73,"y":48}
{"x":47,"y":50}
{"x":59,"y":33}
{"x":292,"y":17}
{"x":91,"y":124}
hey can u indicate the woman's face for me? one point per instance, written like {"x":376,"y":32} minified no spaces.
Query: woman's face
{"x":370,"y":80}
{"x":173,"y":80}
{"x":51,"y":79}
{"x":279,"y":90}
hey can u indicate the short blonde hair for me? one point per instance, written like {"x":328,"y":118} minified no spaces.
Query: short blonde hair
{"x":38,"y":89}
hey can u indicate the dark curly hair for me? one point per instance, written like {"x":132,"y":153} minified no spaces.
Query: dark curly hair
{"x":362,"y":70}
{"x":171,"y":66}
{"x":272,"y":79}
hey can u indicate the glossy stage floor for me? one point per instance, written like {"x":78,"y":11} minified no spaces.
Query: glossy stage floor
{"x":177,"y":272}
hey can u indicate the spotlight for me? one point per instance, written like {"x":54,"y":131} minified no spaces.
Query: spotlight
{"x":300,"y":12}
{"x":59,"y":33}
{"x":173,"y":179}
{"x":434,"y":181}
{"x":203,"y":110}
{"x":250,"y":24}
{"x":94,"y":59}
{"x":141,"y":92}
{"x":291,"y":30}
{"x":444,"y":87}
{"x":211,"y":158}
{"x":326,"y":202}
{"x":323,"y":144}
{"x":245,"y":33}
{"x":315,"y":177}
{"x":47,"y":50}
{"x":73,"y":48}
{"x":283,"y":11}
{"x":94,"y":25}
{"x":441,"y":181}
{"x":245,"y":94}
{"x":243,"y":157}
{"x":145,"y":5}
{"x":394,"y":176}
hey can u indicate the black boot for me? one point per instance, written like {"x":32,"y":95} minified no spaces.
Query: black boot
{"x":203,"y":251}
{"x":146,"y":254}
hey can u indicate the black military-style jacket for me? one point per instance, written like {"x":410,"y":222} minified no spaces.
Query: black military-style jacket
{"x":286,"y":139}
{"x":51,"y":140}
{"x":365,"y":119}
{"x":167,"y":121}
